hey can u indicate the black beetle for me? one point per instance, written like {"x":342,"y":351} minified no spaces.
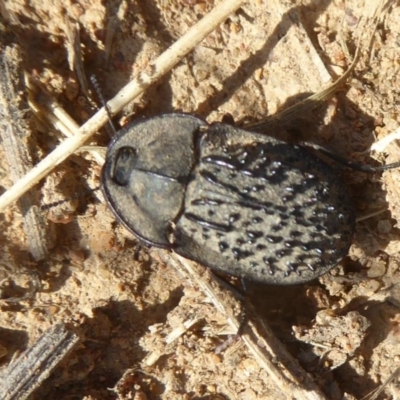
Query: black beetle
{"x":238,"y":202}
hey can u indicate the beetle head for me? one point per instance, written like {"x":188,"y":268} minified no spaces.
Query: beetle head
{"x":144,"y":177}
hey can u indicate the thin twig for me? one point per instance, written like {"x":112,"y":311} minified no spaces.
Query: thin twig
{"x":54,"y":113}
{"x":381,"y":145}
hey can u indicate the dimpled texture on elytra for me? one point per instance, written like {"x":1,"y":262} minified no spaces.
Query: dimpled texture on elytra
{"x":267,"y":211}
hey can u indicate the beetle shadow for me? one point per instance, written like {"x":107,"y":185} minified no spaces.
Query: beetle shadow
{"x":383,"y":333}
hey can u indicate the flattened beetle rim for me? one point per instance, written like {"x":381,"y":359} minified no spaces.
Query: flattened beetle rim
{"x":124,"y":130}
{"x":271,"y":280}
{"x":106,"y":170}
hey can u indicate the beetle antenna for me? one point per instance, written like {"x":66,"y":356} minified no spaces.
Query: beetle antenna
{"x":103,"y":102}
{"x":351,"y":164}
{"x":45,"y":207}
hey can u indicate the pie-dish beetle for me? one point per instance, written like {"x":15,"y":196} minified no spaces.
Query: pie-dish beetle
{"x":239,"y":202}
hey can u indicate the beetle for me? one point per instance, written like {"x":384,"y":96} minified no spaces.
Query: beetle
{"x":239,"y":202}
